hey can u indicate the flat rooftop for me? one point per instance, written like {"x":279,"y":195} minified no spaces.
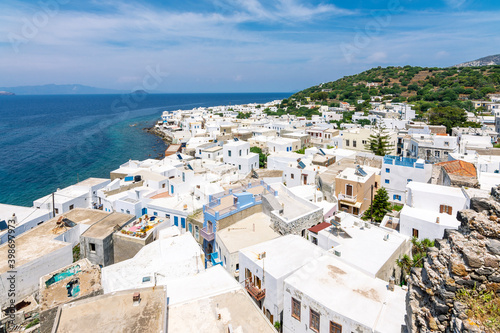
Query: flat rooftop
{"x":92,"y":181}
{"x":366,"y":247}
{"x":196,"y":301}
{"x":429,"y":216}
{"x":56,"y":293}
{"x":22,"y":213}
{"x":251,"y":230}
{"x":279,"y":261}
{"x":173,"y":258}
{"x":362,"y":298}
{"x":116,"y":313}
{"x":435,"y":189}
{"x":40,"y":240}
{"x":105,"y":227}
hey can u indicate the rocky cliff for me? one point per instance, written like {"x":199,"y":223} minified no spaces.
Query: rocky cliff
{"x":457,"y":287}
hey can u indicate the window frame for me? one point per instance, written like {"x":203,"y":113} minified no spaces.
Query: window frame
{"x":296,"y":304}
{"x":335,"y":327}
{"x":311,"y":314}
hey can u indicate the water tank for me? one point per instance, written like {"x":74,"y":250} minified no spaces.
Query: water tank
{"x":137,"y":178}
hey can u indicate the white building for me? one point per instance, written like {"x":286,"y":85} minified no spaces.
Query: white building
{"x":252,"y":230}
{"x":169,"y":257}
{"x":43,"y":250}
{"x":265,"y":266}
{"x":238,"y":153}
{"x":397,"y":172}
{"x":26,"y":218}
{"x":327,"y":295}
{"x":80,"y":195}
{"x":371,"y":249}
{"x":430,"y":209}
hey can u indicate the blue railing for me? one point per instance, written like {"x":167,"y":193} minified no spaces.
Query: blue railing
{"x":403,"y":161}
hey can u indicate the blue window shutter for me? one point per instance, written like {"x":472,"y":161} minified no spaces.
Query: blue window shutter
{"x":183,"y":222}
{"x":176,"y":220}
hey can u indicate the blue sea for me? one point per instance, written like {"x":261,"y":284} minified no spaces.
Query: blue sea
{"x":50,"y":142}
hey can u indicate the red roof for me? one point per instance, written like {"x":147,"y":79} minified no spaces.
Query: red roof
{"x":319,"y":227}
{"x":459,"y":168}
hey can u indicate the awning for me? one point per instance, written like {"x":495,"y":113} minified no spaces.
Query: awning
{"x":355,"y":204}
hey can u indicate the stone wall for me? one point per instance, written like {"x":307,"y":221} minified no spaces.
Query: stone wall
{"x":466,"y":258}
{"x":296,"y":226}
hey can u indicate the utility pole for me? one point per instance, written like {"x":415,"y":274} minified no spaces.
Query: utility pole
{"x":371,"y":204}
{"x":53,"y":206}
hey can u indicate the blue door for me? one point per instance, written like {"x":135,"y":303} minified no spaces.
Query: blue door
{"x":183,"y":223}
{"x":176,"y":220}
{"x":144,"y":211}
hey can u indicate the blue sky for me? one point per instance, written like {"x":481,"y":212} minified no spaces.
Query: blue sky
{"x":234,"y":45}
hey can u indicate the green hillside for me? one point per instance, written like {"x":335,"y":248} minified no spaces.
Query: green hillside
{"x":425,"y":87}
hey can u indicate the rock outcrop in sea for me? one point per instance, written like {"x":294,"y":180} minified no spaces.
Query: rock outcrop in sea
{"x":466,"y":261}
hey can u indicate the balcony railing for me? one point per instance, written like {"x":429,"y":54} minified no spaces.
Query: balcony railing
{"x":208,"y":235}
{"x":346,"y":197}
{"x":255,"y":292}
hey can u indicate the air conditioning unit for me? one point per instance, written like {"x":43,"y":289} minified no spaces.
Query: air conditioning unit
{"x":337,"y":253}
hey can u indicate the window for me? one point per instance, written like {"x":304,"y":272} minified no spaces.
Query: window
{"x":196,"y":232}
{"x":387,"y":181}
{"x":436,"y":153}
{"x":414,"y":233}
{"x":155,"y":213}
{"x":237,"y":267}
{"x":446,"y":143}
{"x":239,"y":166}
{"x":445,"y":209}
{"x":408,"y":180}
{"x":57,"y":210}
{"x":347,"y":143}
{"x":354,"y":143}
{"x":291,"y":175}
{"x":396,"y":197}
{"x":314,"y":321}
{"x":335,"y":328}
{"x":240,"y":152}
{"x":229,"y":153}
{"x":387,"y":170}
{"x":295,"y":309}
{"x":71,"y":207}
{"x":176,"y":220}
{"x":92,"y":247}
{"x":183,"y":177}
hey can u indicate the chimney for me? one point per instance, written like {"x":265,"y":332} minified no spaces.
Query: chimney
{"x":136,"y":299}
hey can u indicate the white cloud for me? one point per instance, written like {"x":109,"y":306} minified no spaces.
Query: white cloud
{"x":455,"y":3}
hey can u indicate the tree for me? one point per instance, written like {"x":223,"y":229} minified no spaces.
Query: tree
{"x":379,"y":207}
{"x":419,"y":252}
{"x":262,"y":156}
{"x":450,"y":116}
{"x":379,"y":142}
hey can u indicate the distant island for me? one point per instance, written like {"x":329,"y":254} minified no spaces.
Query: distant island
{"x":67,"y":89}
{"x":6,"y":93}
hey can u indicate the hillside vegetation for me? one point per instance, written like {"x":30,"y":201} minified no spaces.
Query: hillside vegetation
{"x":424,"y":87}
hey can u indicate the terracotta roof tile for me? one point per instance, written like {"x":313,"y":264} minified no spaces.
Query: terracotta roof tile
{"x":459,"y":168}
{"x":319,"y":227}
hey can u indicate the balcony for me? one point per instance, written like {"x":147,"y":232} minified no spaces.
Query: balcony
{"x":208,"y":235}
{"x":346,"y":197}
{"x":255,"y":292}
